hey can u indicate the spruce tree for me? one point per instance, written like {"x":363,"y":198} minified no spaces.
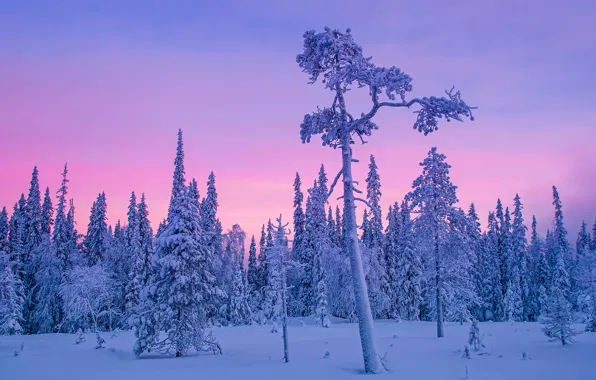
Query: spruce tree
{"x":517,"y":292}
{"x":492,"y":294}
{"x":62,"y":234}
{"x":180,"y":288}
{"x":134,"y":256}
{"x":11,"y":303}
{"x":194,"y":193}
{"x":4,"y":228}
{"x":391,"y":259}
{"x":562,"y":247}
{"x":557,"y":321}
{"x":94,"y":243}
{"x":47,"y":213}
{"x":540,"y":273}
{"x":409,"y":267}
{"x":433,"y":198}
{"x":253,"y":277}
{"x":179,"y":181}
{"x":299,"y":220}
{"x":474,"y":235}
{"x":146,"y":237}
{"x":240,"y":311}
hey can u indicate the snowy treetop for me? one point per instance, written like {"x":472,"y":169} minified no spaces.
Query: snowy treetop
{"x":339,"y":60}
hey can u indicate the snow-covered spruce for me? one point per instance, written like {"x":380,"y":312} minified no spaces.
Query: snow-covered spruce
{"x":336,"y":59}
{"x":174,"y":300}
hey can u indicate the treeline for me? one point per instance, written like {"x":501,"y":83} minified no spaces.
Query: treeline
{"x":426,"y":259}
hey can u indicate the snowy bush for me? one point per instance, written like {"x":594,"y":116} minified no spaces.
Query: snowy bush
{"x":87,"y":298}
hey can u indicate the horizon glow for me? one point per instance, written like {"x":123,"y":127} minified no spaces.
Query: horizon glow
{"x":105,"y":88}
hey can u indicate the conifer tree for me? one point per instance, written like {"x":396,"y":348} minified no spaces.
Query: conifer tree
{"x":4,"y":228}
{"x":11,"y":303}
{"x":557,"y":321}
{"x":194,"y":193}
{"x":146,"y":237}
{"x":32,"y":220}
{"x":433,"y":198}
{"x":517,"y":291}
{"x":94,"y":243}
{"x":180,"y":288}
{"x":409,"y":267}
{"x":475,"y":237}
{"x":62,"y":233}
{"x":134,"y":256}
{"x":391,"y":259}
{"x":240,"y":311}
{"x":299,"y":220}
{"x":179,"y":181}
{"x":47,"y":214}
{"x":540,"y":273}
{"x":253,"y":276}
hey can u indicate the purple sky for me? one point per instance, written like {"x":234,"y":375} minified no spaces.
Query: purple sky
{"x":105,"y":86}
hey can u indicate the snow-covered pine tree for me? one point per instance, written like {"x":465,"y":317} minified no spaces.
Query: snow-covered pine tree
{"x":31,"y":241}
{"x":391,"y":260}
{"x":338,"y":61}
{"x":539,"y":274}
{"x":17,"y":257}
{"x":11,"y":303}
{"x":47,"y":314}
{"x":474,"y":236}
{"x":47,"y":213}
{"x":433,"y":198}
{"x":4,"y":228}
{"x":299,"y":220}
{"x":62,"y":233}
{"x":409,"y":267}
{"x":94,"y":244}
{"x":136,"y":260}
{"x":586,"y":279}
{"x":562,"y":246}
{"x":212,"y":227}
{"x":180,"y":287}
{"x":252,"y":276}
{"x":459,"y":289}
{"x":490,"y":276}
{"x":194,"y":193}
{"x":117,"y":264}
{"x":179,"y":181}
{"x":557,"y":321}
{"x":516,"y":297}
{"x":262,"y":261}
{"x":593,"y":243}
{"x":582,"y":247}
{"x":146,"y":236}
{"x":378,"y":285}
{"x":240,"y":311}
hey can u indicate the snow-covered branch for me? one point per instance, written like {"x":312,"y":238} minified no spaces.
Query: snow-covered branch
{"x":334,"y":183}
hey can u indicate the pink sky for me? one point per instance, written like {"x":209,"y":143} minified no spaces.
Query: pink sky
{"x":111,"y":109}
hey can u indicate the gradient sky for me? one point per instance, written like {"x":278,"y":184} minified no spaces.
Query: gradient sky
{"x":104,"y":85}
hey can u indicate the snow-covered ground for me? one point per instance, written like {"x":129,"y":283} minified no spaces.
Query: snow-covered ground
{"x":252,"y":352}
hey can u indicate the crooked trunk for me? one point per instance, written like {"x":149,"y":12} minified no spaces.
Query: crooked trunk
{"x":372,"y":363}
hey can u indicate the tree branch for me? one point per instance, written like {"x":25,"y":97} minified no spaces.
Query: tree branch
{"x":334,"y":183}
{"x":364,"y":201}
{"x":356,"y":190}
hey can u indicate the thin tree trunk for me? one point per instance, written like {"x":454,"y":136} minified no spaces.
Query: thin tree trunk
{"x":372,"y":363}
{"x":284,"y":316}
{"x":438,"y":288}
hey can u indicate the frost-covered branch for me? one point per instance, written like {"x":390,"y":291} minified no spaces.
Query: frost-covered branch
{"x":363,"y":201}
{"x":334,"y":183}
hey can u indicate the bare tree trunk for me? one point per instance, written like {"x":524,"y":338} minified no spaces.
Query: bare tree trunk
{"x":372,"y":362}
{"x":438,"y":289}
{"x":284,"y":315}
